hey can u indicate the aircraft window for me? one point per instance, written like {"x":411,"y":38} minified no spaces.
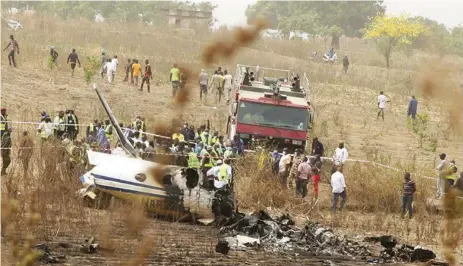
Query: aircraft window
{"x":140,"y":177}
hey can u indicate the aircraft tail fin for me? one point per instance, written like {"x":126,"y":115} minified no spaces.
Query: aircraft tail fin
{"x":123,"y":140}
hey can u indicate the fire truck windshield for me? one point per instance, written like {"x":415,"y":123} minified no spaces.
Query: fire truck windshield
{"x":292,"y":118}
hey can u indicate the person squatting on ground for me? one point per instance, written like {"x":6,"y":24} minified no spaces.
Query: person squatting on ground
{"x":136,"y":71}
{"x":203,"y":82}
{"x":175,"y":79}
{"x":74,"y":59}
{"x":409,"y":189}
{"x":147,"y":76}
{"x":14,"y":48}
{"x":338,"y":185}
{"x":303,"y":171}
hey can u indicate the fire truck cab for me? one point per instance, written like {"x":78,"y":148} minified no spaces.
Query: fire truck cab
{"x":270,"y":107}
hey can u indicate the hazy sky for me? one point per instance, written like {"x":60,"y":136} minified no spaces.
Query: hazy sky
{"x":231,"y":12}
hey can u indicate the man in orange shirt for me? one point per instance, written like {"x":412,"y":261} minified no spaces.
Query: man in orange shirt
{"x":136,"y":71}
{"x":147,"y":76}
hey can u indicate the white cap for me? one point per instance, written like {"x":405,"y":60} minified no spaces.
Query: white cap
{"x":219,"y":162}
{"x":52,"y":47}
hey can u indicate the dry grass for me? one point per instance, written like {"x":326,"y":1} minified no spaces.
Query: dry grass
{"x":345,"y":108}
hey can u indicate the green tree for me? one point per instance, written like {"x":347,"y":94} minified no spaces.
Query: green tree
{"x":390,"y":32}
{"x":318,"y":18}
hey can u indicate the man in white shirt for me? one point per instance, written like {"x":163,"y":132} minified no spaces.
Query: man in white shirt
{"x":441,"y":170}
{"x":109,"y":67}
{"x":203,"y":82}
{"x":228,"y":81}
{"x":223,"y":179}
{"x":381,"y":104}
{"x":115,"y":62}
{"x":283,"y":168}
{"x":339,"y":157}
{"x":338,"y":185}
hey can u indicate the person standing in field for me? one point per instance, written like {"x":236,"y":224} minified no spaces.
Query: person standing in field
{"x":381,"y":104}
{"x":441,"y":168}
{"x":128,"y":70}
{"x":283,"y":168}
{"x":345,"y":63}
{"x":303,"y":171}
{"x":147,"y":76}
{"x":74,"y":59}
{"x":53,"y":57}
{"x":227,"y":84}
{"x":315,"y":180}
{"x":409,"y":189}
{"x":136,"y":69}
{"x":104,"y":59}
{"x":175,"y":79}
{"x":412,"y":107}
{"x":217,"y":86}
{"x":26,"y":146}
{"x":115,"y":63}
{"x":339,"y":157}
{"x":109,"y":68}
{"x":14,"y":48}
{"x":203,"y":82}
{"x":338,"y":184}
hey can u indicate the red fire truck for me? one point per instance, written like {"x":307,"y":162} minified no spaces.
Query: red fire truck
{"x":270,"y":107}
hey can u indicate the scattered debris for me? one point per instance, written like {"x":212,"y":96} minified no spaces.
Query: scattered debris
{"x":259,"y":230}
{"x":46,"y":256}
{"x":90,"y":246}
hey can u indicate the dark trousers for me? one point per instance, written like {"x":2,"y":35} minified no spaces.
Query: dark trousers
{"x":301,"y":187}
{"x":202,"y":90}
{"x":6,"y":160}
{"x":336,"y":196}
{"x":407,"y":205}
{"x":11,"y":58}
{"x":413,"y":116}
{"x":72,"y":134}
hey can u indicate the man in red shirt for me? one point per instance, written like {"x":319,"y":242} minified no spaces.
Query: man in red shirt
{"x":147,"y":76}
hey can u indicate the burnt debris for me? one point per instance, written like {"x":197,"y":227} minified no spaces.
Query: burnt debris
{"x":260,"y":230}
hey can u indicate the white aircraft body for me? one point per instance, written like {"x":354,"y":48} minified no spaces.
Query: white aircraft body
{"x":162,"y":189}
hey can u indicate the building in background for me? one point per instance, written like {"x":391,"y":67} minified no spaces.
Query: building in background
{"x":188,"y":19}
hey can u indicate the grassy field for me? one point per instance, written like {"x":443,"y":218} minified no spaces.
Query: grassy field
{"x":345,"y":107}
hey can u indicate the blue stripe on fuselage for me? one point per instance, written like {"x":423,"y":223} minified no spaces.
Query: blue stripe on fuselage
{"x":127,"y":182}
{"x":132,"y":191}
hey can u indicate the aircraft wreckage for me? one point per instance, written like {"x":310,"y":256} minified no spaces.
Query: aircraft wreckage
{"x":164,"y":190}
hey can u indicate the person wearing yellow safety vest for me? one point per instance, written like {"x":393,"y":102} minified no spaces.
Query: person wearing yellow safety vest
{"x":215,"y":138}
{"x":218,"y":149}
{"x":223,"y":180}
{"x":92,"y":131}
{"x":451,"y":176}
{"x":138,"y":124}
{"x":228,"y":152}
{"x":206,"y":165}
{"x":59,"y":125}
{"x":206,"y":138}
{"x":214,"y":155}
{"x":193,"y":161}
{"x":3,"y":122}
{"x":45,"y":129}
{"x":71,"y":124}
{"x":108,"y":129}
{"x":178,"y":136}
